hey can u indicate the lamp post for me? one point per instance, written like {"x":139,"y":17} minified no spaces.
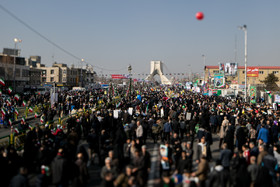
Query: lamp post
{"x":244,"y":28}
{"x":203,"y":56}
{"x":129,"y":68}
{"x":82,"y":60}
{"x":16,"y":40}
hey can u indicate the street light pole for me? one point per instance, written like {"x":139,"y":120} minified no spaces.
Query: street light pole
{"x":82,"y":72}
{"x":244,"y":28}
{"x":129,"y":68}
{"x":203,"y":56}
{"x":16,"y":40}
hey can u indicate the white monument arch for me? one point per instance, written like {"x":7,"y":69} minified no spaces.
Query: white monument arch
{"x":156,"y":69}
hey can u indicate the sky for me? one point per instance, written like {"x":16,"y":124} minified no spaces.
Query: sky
{"x":111,"y":34}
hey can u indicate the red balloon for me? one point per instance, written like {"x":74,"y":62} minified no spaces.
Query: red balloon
{"x":199,"y":15}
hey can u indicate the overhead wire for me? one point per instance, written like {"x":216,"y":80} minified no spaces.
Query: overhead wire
{"x":47,"y":39}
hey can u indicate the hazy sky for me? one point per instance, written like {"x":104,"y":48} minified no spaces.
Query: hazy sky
{"x":115,"y":33}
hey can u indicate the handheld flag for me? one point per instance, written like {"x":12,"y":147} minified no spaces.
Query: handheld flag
{"x":9,"y":102}
{"x":10,"y":90}
{"x":0,"y":92}
{"x":10,"y":122}
{"x":16,"y":111}
{"x":23,"y":119}
{"x":3,"y":111}
{"x":16,"y":130}
{"x":36,"y":115}
{"x":2,"y":82}
{"x":30,"y":109}
{"x":17,"y":97}
{"x":268,"y":92}
{"x":24,"y":103}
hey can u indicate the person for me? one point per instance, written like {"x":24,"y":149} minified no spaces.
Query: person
{"x":223,"y":130}
{"x":59,"y":169}
{"x":122,"y":179}
{"x":253,"y":170}
{"x":262,"y":153}
{"x":202,"y":171}
{"x":83,"y":171}
{"x":139,"y":131}
{"x":20,"y":180}
{"x":108,"y":168}
{"x":167,"y":130}
{"x":183,"y":164}
{"x":219,"y":177}
{"x":246,"y":153}
{"x":264,"y":135}
{"x":225,"y":157}
{"x":202,"y":149}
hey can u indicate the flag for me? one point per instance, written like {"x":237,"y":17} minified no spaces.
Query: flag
{"x":30,"y":109}
{"x":36,"y":115}
{"x":2,"y":82}
{"x":10,"y":89}
{"x":3,"y":111}
{"x":24,"y":103}
{"x":30,"y":127}
{"x":268,"y":92}
{"x":0,"y":92}
{"x":16,"y":111}
{"x":16,"y":130}
{"x":42,"y":119}
{"x":17,"y":97}
{"x":23,"y":119}
{"x":10,"y":122}
{"x":9,"y":102}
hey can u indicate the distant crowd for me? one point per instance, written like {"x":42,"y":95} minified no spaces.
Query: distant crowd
{"x":116,"y":133}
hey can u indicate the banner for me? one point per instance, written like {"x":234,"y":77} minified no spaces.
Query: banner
{"x":218,"y":80}
{"x":253,"y":94}
{"x":221,"y":67}
{"x":230,"y":69}
{"x":277,"y":98}
{"x":118,"y":76}
{"x":252,"y":71}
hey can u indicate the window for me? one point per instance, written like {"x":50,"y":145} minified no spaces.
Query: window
{"x":261,"y":72}
{"x":52,"y":79}
{"x":275,"y":72}
{"x":44,"y":79}
{"x":52,"y":71}
{"x":244,"y":82}
{"x":44,"y":72}
{"x":64,"y":79}
{"x":18,"y":72}
{"x":25,"y":73}
{"x":215,"y":71}
{"x":243,"y":72}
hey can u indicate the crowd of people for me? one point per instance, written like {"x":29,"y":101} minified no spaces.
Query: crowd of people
{"x":117,"y":133}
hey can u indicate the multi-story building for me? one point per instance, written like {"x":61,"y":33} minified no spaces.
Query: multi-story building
{"x":7,"y":65}
{"x":65,"y":76}
{"x":254,"y":77}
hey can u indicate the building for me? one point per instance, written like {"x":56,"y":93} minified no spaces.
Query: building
{"x":65,"y":76}
{"x":255,"y":74}
{"x":7,"y":65}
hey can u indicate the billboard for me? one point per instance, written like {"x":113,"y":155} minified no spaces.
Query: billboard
{"x":221,"y":67}
{"x":118,"y":76}
{"x":253,"y":94}
{"x":230,"y":69}
{"x":252,"y":71}
{"x":219,"y":80}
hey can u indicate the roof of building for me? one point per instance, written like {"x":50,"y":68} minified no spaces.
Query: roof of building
{"x":243,"y":67}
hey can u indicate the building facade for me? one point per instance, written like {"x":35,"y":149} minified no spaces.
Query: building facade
{"x":255,"y":78}
{"x":7,"y":64}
